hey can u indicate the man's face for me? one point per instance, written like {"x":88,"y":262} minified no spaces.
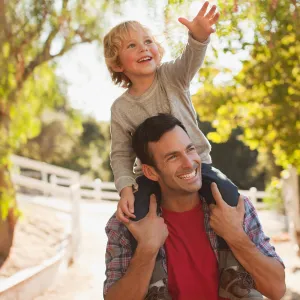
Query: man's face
{"x":178,"y":166}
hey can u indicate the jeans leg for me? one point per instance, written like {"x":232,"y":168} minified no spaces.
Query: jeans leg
{"x":142,"y":200}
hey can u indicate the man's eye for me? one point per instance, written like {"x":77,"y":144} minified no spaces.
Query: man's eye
{"x":131,"y":46}
{"x":191,"y":149}
{"x":172,"y":157}
{"x":148,"y":42}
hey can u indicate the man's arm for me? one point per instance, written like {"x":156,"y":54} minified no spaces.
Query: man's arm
{"x":267,"y":272}
{"x":227,"y":222}
{"x":134,"y":284}
{"x":150,"y":233}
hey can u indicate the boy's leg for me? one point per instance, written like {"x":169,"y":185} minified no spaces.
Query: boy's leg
{"x":142,"y":201}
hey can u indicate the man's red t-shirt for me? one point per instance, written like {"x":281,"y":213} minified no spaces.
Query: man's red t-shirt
{"x":191,"y":262}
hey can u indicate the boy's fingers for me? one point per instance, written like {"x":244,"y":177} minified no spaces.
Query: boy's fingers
{"x":152,"y":206}
{"x":131,"y":206}
{"x":214,"y":20}
{"x":121,"y":217}
{"x":216,"y":194}
{"x":185,"y":22}
{"x":127,"y":212}
{"x":203,"y":9}
{"x":211,"y":12}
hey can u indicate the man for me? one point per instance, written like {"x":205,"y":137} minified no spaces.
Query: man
{"x":180,"y":241}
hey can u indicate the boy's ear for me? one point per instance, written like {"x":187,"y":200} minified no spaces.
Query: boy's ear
{"x":150,"y":172}
{"x":117,"y":68}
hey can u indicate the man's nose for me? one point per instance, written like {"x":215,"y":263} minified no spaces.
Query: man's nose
{"x":187,"y":162}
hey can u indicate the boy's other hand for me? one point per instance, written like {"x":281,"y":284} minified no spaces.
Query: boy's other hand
{"x":201,"y":26}
{"x":125,"y":208}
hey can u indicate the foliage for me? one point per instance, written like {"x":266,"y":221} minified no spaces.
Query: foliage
{"x":274,"y":199}
{"x":236,"y":160}
{"x":90,"y":154}
{"x":32,"y":35}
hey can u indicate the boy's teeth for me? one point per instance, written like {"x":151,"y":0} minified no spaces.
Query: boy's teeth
{"x":145,"y":58}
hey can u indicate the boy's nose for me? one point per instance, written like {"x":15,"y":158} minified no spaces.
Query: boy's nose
{"x":143,"y":48}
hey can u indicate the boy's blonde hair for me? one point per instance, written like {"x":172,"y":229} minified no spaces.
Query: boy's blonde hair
{"x":112,"y":44}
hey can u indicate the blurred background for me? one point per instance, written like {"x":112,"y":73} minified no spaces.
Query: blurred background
{"x":56,"y":190}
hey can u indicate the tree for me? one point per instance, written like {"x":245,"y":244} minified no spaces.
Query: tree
{"x":90,"y":154}
{"x":32,"y":35}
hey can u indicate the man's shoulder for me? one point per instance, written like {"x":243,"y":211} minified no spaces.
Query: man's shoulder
{"x":114,"y":225}
{"x":249,"y":207}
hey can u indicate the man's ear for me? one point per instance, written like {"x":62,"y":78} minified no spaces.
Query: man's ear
{"x":150,"y":172}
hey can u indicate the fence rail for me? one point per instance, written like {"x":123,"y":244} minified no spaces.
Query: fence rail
{"x":55,"y":180}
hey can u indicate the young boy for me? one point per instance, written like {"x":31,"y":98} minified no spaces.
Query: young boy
{"x":133,"y":57}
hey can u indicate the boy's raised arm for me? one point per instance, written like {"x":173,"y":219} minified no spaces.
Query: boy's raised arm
{"x":181,"y":71}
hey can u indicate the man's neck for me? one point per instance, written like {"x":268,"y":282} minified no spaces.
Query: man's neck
{"x":180,"y":203}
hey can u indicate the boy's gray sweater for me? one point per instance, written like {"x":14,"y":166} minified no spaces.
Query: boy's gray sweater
{"x":169,"y":93}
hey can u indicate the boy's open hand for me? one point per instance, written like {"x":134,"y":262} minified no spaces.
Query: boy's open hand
{"x":125,"y":208}
{"x":201,"y":26}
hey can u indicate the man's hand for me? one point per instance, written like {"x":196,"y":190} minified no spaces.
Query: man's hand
{"x":225,"y":220}
{"x":150,"y":232}
{"x":201,"y":26}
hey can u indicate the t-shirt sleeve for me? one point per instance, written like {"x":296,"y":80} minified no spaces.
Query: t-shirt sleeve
{"x":254,"y":230}
{"x":122,"y":155}
{"x":180,"y":72}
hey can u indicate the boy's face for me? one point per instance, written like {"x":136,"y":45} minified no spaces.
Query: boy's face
{"x":139,"y":55}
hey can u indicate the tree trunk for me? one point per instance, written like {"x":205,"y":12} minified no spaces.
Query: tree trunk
{"x":7,"y":225}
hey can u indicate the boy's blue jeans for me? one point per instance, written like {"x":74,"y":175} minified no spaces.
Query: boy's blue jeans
{"x":227,"y":188}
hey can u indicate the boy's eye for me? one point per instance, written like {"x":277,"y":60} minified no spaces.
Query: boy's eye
{"x":147,"y":42}
{"x":131,"y":45}
{"x":192,"y":148}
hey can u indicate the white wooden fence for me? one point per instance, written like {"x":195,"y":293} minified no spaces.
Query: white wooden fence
{"x":55,"y":180}
{"x":72,"y":192}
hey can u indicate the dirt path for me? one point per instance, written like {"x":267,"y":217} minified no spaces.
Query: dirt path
{"x":84,"y":280}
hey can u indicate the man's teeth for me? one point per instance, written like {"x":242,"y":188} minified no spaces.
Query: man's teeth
{"x":145,"y":58}
{"x":188,"y":176}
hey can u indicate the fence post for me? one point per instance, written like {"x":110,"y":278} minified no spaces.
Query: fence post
{"x":76,"y":233}
{"x":44,"y":178}
{"x":53,"y":181}
{"x":97,"y":188}
{"x":253,"y":195}
{"x":290,"y":194}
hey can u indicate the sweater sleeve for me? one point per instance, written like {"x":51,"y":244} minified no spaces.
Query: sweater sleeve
{"x":122,"y":155}
{"x":180,"y":72}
